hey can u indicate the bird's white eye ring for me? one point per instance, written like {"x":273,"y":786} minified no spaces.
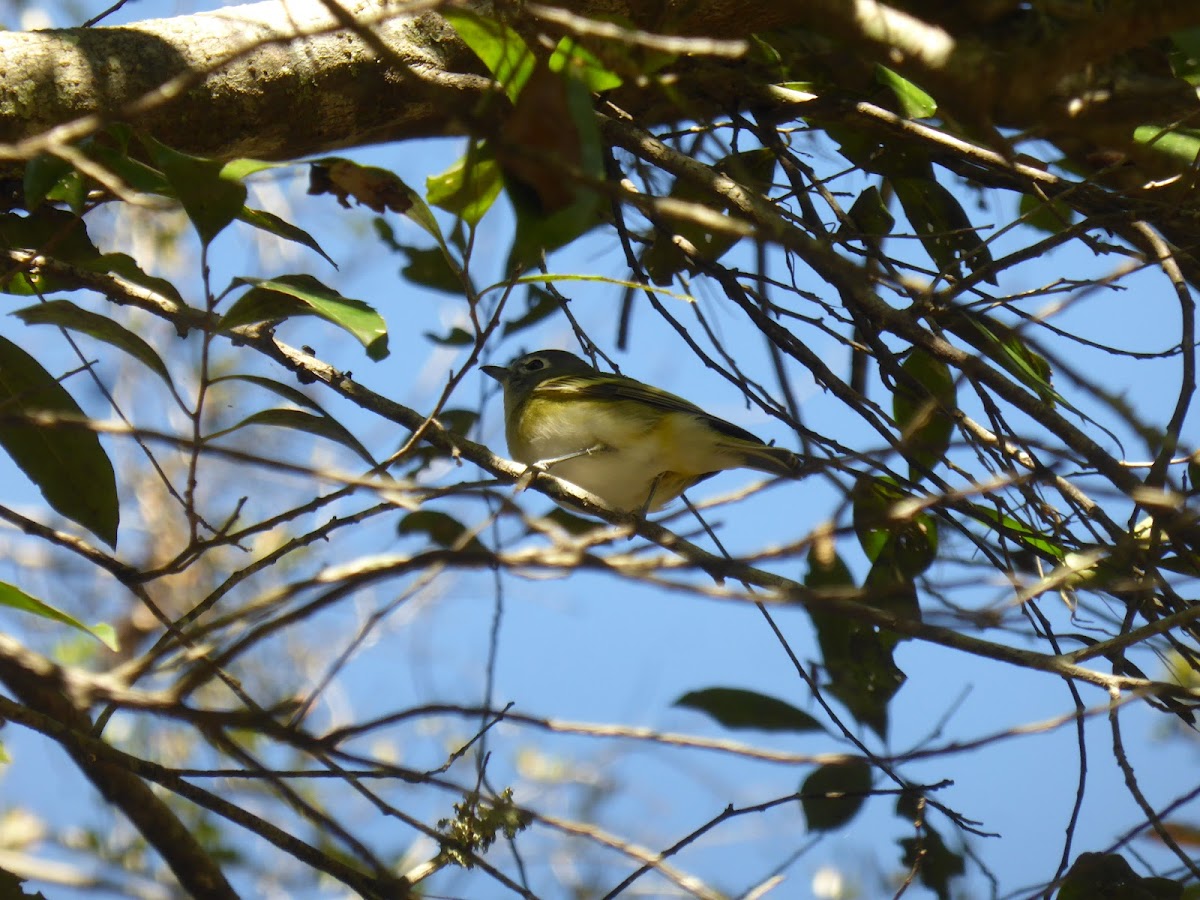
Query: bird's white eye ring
{"x":534,"y":364}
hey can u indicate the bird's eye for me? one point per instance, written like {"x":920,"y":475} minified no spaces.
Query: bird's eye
{"x":534,"y":364}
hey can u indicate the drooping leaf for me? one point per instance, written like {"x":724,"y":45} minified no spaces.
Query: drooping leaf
{"x":874,"y":498}
{"x":319,"y":425}
{"x":923,"y":402}
{"x":455,"y":337}
{"x":470,"y":186}
{"x":1005,"y":347}
{"x":273,"y":224}
{"x":870,"y":214}
{"x":1011,"y":529}
{"x":549,"y":150}
{"x":942,"y":226}
{"x":428,"y":266}
{"x":502,"y":50}
{"x":737,"y":708}
{"x":298,"y":295}
{"x":857,"y":658}
{"x":15,"y":598}
{"x":936,"y":865}
{"x":914,"y":102}
{"x":444,"y":530}
{"x":833,"y":794}
{"x":68,"y":464}
{"x":210,"y":196}
{"x":66,"y":314}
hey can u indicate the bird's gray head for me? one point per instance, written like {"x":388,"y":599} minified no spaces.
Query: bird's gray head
{"x":525,"y":372}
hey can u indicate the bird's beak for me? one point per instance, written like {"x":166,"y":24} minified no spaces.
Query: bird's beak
{"x":498,"y":372}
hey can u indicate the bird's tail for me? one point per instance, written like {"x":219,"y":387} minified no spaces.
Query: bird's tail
{"x":775,"y":460}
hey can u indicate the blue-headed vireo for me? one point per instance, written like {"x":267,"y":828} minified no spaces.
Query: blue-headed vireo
{"x":632,"y":445}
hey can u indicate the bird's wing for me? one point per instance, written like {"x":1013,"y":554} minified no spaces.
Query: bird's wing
{"x":619,"y":387}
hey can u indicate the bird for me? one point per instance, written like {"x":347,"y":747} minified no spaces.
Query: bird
{"x":634,"y":446}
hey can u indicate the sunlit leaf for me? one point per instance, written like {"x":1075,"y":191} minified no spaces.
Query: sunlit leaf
{"x":571,"y":56}
{"x":67,"y":464}
{"x":1181,"y":144}
{"x":833,"y":794}
{"x":914,"y":102}
{"x":737,"y":708}
{"x":15,"y":598}
{"x":470,"y":186}
{"x":297,"y":295}
{"x":210,"y":197}
{"x":502,"y":50}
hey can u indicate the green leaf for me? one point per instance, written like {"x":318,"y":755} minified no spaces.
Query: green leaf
{"x":320,"y":425}
{"x":455,"y":337}
{"x":942,"y":226}
{"x":927,"y":854}
{"x":736,"y":708}
{"x":66,"y":314}
{"x":914,"y":102}
{"x":857,"y":658}
{"x":272,"y":224}
{"x":211,"y":198}
{"x":571,"y":56}
{"x":1094,"y":875}
{"x":51,"y":178}
{"x":62,"y":236}
{"x":470,"y":186}
{"x":833,"y":794}
{"x":502,"y":50}
{"x":67,"y":464}
{"x":923,"y":403}
{"x":553,"y":208}
{"x":1185,"y":55}
{"x":1014,"y":530}
{"x":1005,"y":347}
{"x":873,"y":499}
{"x":429,"y":267}
{"x":1181,"y":144}
{"x":870,"y":214}
{"x":15,"y":598}
{"x":442,"y":529}
{"x":298,"y":295}
{"x":1051,"y":216}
